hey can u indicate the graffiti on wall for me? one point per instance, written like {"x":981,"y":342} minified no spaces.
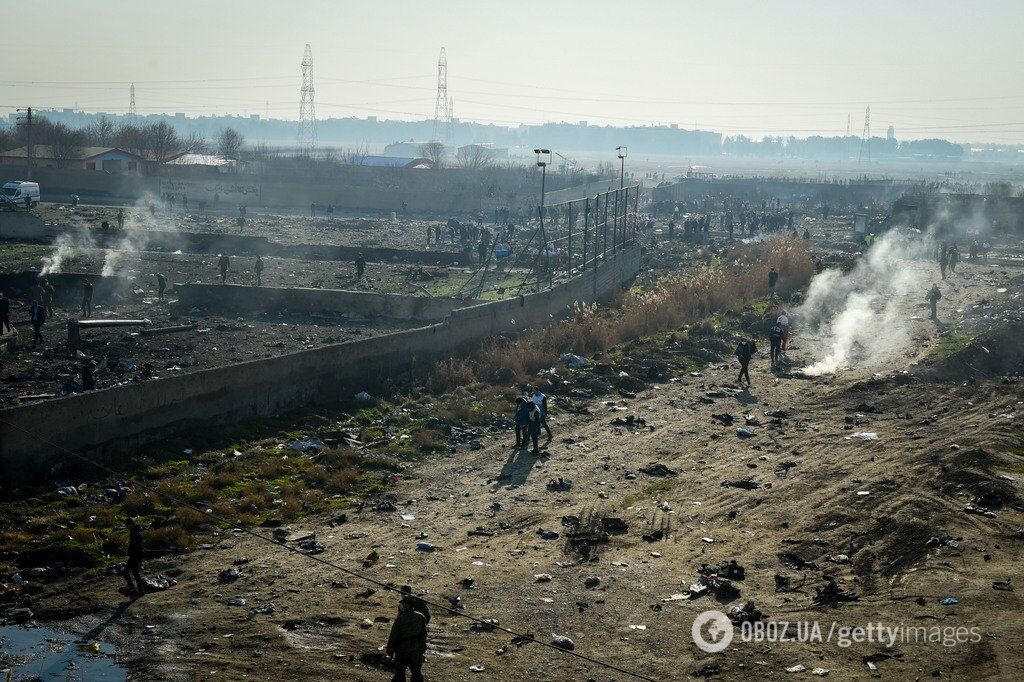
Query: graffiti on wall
{"x":212,"y":190}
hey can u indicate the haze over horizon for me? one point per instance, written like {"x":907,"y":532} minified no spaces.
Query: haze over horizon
{"x":930,"y":69}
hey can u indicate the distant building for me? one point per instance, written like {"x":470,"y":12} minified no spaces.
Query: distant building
{"x":391,"y":161}
{"x":408,"y":149}
{"x":106,"y":159}
{"x":891,"y":134}
{"x":492,"y":150}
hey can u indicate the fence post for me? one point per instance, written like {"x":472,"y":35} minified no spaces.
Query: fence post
{"x":586,"y":224}
{"x":568,"y":249}
{"x":604,"y":230}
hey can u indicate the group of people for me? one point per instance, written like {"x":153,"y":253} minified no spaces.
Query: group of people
{"x":531,"y":416}
{"x":41,"y":297}
{"x":949,"y":256}
{"x":778,"y":339}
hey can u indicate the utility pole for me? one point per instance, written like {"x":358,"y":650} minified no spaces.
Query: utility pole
{"x":27,"y":122}
{"x":543,"y":163}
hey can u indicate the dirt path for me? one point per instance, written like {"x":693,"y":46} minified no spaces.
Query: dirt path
{"x":920,"y":473}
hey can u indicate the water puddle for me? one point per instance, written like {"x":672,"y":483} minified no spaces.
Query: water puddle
{"x":43,"y":654}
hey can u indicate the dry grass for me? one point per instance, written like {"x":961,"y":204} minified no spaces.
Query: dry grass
{"x":169,"y":538}
{"x":739,"y":276}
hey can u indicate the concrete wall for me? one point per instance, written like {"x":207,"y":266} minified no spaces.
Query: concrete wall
{"x":235,"y":297}
{"x":118,"y":420}
{"x":27,"y":227}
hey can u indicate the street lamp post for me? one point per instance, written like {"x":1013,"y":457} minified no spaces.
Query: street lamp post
{"x":543,"y":163}
{"x":622,"y":152}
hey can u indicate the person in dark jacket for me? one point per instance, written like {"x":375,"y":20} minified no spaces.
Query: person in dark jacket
{"x":534,"y":420}
{"x":37,"y":314}
{"x":744,"y":351}
{"x":86,"y":298}
{"x":5,"y":314}
{"x":161,"y":286}
{"x":133,"y":566}
{"x":407,"y":642}
{"x":522,"y":422}
{"x":773,"y":279}
{"x":360,"y":266}
{"x":933,"y":299}
{"x":419,"y":605}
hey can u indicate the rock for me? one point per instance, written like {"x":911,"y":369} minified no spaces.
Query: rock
{"x":20,"y":615}
{"x":819,"y":672}
{"x":591,"y":582}
{"x":613,"y":524}
{"x":425,"y":547}
{"x":543,"y":577}
{"x":563,"y":642}
{"x":798,"y":668}
{"x":658,"y":469}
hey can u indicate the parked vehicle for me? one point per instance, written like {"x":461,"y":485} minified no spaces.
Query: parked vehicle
{"x":19,"y":194}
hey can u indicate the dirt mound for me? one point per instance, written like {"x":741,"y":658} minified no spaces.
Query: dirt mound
{"x":995,"y":353}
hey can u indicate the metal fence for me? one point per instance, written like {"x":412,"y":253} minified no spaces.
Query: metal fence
{"x":567,"y":239}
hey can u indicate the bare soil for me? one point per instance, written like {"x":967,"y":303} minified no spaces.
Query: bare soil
{"x":817,"y":493}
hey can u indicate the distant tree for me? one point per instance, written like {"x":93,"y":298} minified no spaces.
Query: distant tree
{"x":65,"y":144}
{"x":101,"y":133}
{"x":195,"y":143}
{"x":474,"y":157}
{"x":230,"y":143}
{"x":161,"y":141}
{"x":435,"y":152}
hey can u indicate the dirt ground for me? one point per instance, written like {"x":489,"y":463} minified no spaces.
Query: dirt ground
{"x":861,"y":511}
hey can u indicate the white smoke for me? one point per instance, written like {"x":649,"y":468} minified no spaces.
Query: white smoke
{"x":64,"y":248}
{"x":860,"y":318}
{"x":135,"y":237}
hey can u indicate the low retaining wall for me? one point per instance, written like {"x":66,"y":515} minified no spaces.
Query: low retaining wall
{"x":67,"y":285}
{"x":235,"y":297}
{"x":27,"y":227}
{"x":120,"y":419}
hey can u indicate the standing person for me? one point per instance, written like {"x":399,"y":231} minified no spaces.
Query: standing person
{"x":35,"y":293}
{"x":418,"y":605}
{"x":534,"y":419}
{"x":775,"y":336}
{"x":48,"y":294}
{"x":86,"y":298}
{"x":408,"y":641}
{"x":133,"y":567}
{"x":933,"y":299}
{"x":773,"y":279}
{"x":954,"y":257}
{"x":522,"y":420}
{"x":120,"y":219}
{"x":745,"y":350}
{"x":783,"y":323}
{"x":223,"y":262}
{"x":943,"y":262}
{"x":37,"y":314}
{"x":430,"y":233}
{"x":161,"y":285}
{"x":5,"y":314}
{"x":258,"y":268}
{"x":360,"y":266}
{"x":541,"y":401}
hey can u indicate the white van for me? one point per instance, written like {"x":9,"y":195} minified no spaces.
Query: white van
{"x":19,"y":194}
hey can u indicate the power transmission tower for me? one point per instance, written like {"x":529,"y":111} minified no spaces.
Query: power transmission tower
{"x":865,"y":141}
{"x":443,"y":107}
{"x":131,"y":105}
{"x":849,"y":119}
{"x":307,"y":110}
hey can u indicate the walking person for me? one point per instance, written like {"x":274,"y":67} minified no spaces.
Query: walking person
{"x":775,"y":338}
{"x":407,"y":642}
{"x":5,"y":314}
{"x":933,"y":299}
{"x":954,"y":258}
{"x":360,"y":266}
{"x":223,"y":262}
{"x":133,"y":567}
{"x":541,"y":401}
{"x":86,"y":298}
{"x":533,"y":423}
{"x":744,"y":352}
{"x":943,"y":262}
{"x":258,"y":268}
{"x":37,"y":314}
{"x":783,"y":323}
{"x":161,"y":285}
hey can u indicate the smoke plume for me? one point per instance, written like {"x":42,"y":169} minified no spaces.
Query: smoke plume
{"x":860,"y":318}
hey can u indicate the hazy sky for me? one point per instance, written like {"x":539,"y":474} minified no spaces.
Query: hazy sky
{"x":932,"y":68}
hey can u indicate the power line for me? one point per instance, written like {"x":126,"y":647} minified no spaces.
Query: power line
{"x":490,"y":623}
